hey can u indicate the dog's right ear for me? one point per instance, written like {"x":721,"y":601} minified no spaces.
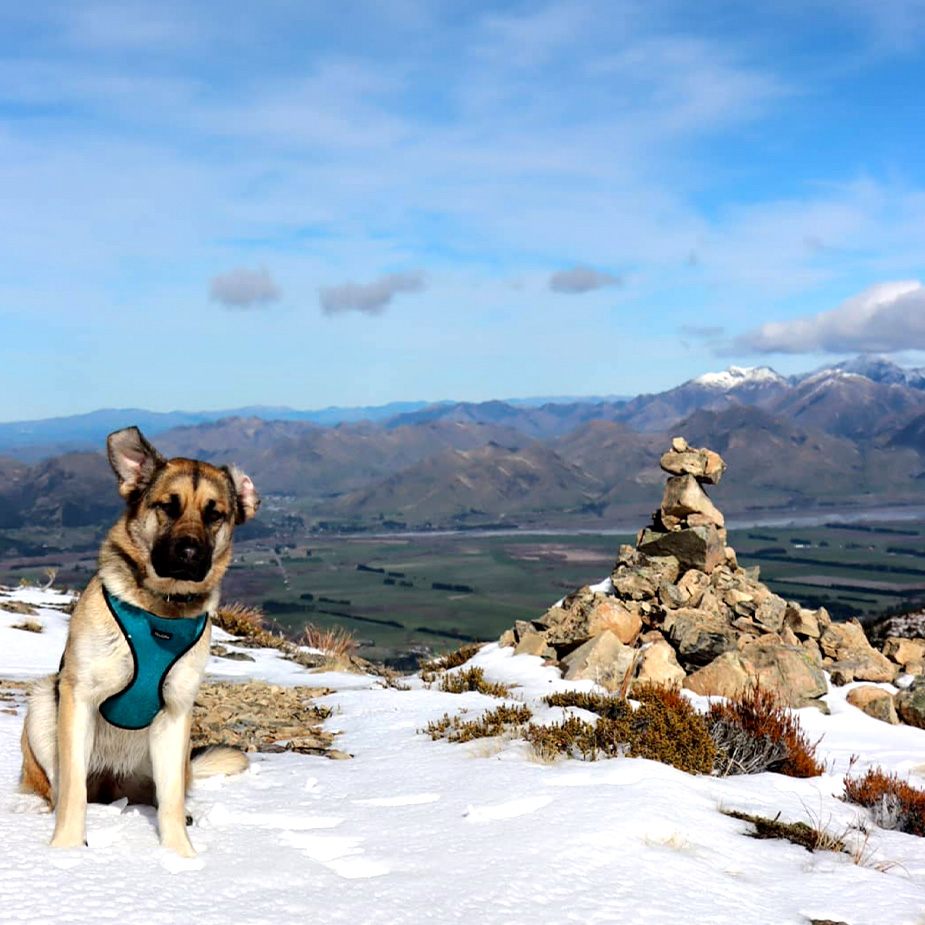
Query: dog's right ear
{"x":133,"y":459}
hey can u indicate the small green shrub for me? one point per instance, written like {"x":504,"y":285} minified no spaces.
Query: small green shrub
{"x":755,"y":733}
{"x":573,"y":737}
{"x":894,"y":803}
{"x":472,"y":679}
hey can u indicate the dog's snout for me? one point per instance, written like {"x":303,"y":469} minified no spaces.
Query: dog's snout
{"x":188,"y":550}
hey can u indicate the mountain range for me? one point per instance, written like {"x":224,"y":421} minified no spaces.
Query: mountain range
{"x":849,"y":434}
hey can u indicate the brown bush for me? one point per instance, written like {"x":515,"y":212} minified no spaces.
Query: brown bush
{"x":894,"y":803}
{"x":756,"y":733}
{"x":505,"y":719}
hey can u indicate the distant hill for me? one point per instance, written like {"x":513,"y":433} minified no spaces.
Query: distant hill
{"x":851,"y":434}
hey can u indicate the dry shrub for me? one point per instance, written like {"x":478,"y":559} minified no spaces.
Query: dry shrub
{"x":505,"y":719}
{"x":665,"y":727}
{"x":894,"y":803}
{"x":445,"y":662}
{"x":472,"y":679}
{"x":335,"y":642}
{"x":810,"y":837}
{"x":756,"y":733}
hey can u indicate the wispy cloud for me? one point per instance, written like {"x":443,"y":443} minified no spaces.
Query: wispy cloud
{"x":886,"y":318}
{"x":582,"y":279}
{"x":242,"y":288}
{"x":370,"y":298}
{"x":702,"y":331}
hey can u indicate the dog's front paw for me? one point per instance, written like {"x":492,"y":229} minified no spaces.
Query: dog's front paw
{"x":68,"y":840}
{"x":181,"y":845}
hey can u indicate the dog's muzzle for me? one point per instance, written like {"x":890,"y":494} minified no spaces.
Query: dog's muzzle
{"x":183,"y":558}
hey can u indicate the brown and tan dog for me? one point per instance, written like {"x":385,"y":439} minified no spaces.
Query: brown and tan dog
{"x":109,"y":724}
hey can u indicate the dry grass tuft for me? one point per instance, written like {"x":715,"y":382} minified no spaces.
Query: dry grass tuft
{"x":810,"y":837}
{"x":893,"y":802}
{"x":335,"y":642}
{"x":756,"y":733}
{"x":30,"y":626}
{"x":460,"y":656}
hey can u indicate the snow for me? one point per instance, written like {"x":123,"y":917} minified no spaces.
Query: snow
{"x":736,"y":376}
{"x":411,"y":831}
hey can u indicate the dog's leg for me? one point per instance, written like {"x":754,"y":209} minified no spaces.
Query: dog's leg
{"x":75,"y":743}
{"x":169,"y":742}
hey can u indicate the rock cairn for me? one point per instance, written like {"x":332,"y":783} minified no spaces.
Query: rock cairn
{"x":678,"y":610}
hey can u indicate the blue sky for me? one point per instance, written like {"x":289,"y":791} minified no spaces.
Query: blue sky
{"x":209,"y":205}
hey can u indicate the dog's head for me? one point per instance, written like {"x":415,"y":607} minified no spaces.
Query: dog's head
{"x":180,"y":512}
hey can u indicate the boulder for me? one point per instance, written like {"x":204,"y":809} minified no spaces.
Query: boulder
{"x":850,"y":657}
{"x":640,"y":579}
{"x":770,"y":613}
{"x":603,"y":659}
{"x":803,"y":622}
{"x":875,"y":702}
{"x":787,"y":671}
{"x":728,"y":675}
{"x":904,"y":651}
{"x":910,"y":703}
{"x":699,"y":548}
{"x":698,"y":636}
{"x":692,"y":584}
{"x":582,"y":617}
{"x":658,"y":665}
{"x":704,"y":465}
{"x":684,"y":497}
{"x":507,"y":639}
{"x":534,"y":643}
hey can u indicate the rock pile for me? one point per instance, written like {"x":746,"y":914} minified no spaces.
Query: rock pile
{"x":677,"y":609}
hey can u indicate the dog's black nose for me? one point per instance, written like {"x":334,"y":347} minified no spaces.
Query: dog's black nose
{"x":188,"y":550}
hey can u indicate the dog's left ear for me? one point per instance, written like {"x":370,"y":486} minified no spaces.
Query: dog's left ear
{"x":247,"y":498}
{"x":133,"y":459}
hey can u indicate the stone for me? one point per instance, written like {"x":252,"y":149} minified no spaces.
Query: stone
{"x":603,"y":659}
{"x":684,"y":497}
{"x":679,"y":444}
{"x":850,"y":657}
{"x":875,"y":702}
{"x":770,"y":613}
{"x":903,"y":651}
{"x":732,"y":560}
{"x":613,"y":615}
{"x":728,"y":675}
{"x":659,"y":665}
{"x":787,"y":671}
{"x":811,"y":646}
{"x":671,"y":596}
{"x":640,"y":580}
{"x":704,"y":465}
{"x":802,"y":622}
{"x":692,"y":584}
{"x":910,"y":703}
{"x":506,"y":639}
{"x":695,"y":547}
{"x":698,"y":636}
{"x":534,"y":643}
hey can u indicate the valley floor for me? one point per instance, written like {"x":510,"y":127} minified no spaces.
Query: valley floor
{"x":411,"y":831}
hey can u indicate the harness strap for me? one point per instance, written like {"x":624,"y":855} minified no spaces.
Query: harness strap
{"x":157,"y":644}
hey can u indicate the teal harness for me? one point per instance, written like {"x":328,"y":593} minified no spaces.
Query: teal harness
{"x":156,"y":644}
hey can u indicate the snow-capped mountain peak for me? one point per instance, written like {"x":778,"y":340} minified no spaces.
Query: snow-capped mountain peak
{"x":736,"y":376}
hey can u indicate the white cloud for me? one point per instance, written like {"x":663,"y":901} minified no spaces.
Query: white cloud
{"x":242,"y":288}
{"x":885,"y":318}
{"x":370,"y":298}
{"x":582,"y":279}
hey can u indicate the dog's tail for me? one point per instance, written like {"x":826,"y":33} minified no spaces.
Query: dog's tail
{"x":208,"y":760}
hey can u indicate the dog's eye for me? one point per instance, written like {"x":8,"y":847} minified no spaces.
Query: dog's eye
{"x":212,"y":516}
{"x":171,"y":508}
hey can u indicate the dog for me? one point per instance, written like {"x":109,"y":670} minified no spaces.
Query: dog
{"x":115,"y":720}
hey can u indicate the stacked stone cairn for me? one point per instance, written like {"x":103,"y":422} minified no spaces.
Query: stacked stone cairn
{"x":678,"y":610}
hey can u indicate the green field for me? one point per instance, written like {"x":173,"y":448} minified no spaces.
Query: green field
{"x":403,"y":595}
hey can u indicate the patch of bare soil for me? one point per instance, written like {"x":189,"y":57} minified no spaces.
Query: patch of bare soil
{"x":259,"y":717}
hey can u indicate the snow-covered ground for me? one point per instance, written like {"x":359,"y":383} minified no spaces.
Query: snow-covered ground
{"x":417,"y":831}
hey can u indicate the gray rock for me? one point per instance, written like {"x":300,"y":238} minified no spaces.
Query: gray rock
{"x":684,"y":497}
{"x":704,"y":465}
{"x":698,"y":636}
{"x":910,"y":703}
{"x":700,"y":548}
